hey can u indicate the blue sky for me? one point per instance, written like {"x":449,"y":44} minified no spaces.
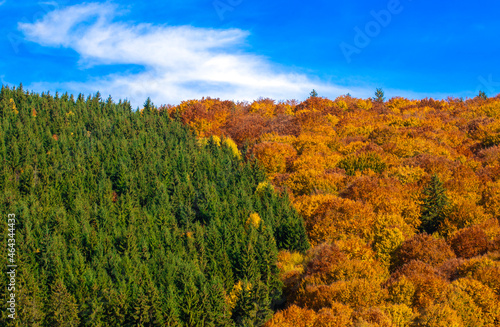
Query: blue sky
{"x":246,"y":49}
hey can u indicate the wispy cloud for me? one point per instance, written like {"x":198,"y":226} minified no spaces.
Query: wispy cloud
{"x":3,"y":2}
{"x":180,"y":62}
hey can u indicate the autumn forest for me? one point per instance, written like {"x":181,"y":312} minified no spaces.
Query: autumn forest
{"x":326,"y":212}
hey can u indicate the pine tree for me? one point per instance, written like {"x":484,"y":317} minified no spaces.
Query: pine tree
{"x":63,"y":307}
{"x":434,"y":207}
{"x":219,"y":315}
{"x":482,"y":95}
{"x":30,"y":300}
{"x":379,"y":95}
{"x":171,"y":307}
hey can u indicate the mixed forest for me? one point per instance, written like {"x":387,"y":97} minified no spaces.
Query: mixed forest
{"x":344,"y":212}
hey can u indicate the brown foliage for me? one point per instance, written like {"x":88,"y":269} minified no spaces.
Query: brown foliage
{"x":469,"y":242}
{"x":283,"y":125}
{"x":449,"y":268}
{"x":323,"y":258}
{"x":246,"y":128}
{"x":425,"y":248}
{"x":495,"y":244}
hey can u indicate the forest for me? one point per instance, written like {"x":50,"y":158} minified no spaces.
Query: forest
{"x":125,"y":219}
{"x":345,"y":212}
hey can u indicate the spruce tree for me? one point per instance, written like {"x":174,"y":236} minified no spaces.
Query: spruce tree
{"x":482,"y":95}
{"x":379,"y":95}
{"x":434,"y":207}
{"x":63,"y":307}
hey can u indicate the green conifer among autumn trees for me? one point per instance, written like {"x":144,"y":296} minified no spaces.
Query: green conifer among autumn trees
{"x":434,"y":207}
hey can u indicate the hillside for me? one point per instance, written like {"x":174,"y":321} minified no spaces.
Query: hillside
{"x":344,"y":212}
{"x":123,"y":218}
{"x":401,"y":201}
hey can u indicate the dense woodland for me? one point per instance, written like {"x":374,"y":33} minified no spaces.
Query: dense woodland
{"x":345,"y":212}
{"x":401,"y":202}
{"x":126,"y":219}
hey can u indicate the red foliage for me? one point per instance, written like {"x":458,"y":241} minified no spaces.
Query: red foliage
{"x":425,"y":248}
{"x":469,"y":242}
{"x":283,"y":125}
{"x":246,"y":128}
{"x":324,"y":257}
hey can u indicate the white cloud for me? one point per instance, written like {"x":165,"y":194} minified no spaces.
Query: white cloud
{"x":180,"y":62}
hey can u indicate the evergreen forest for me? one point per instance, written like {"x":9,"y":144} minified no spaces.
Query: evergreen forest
{"x":125,"y":219}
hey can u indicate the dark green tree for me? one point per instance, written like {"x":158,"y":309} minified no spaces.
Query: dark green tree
{"x":313,"y":94}
{"x":379,"y":95}
{"x":434,"y":207}
{"x":482,"y":95}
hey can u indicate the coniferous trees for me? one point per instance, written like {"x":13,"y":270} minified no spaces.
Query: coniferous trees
{"x":434,"y":206}
{"x":125,"y":218}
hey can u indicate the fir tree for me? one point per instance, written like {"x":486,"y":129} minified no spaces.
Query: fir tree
{"x":63,"y":307}
{"x":379,"y":95}
{"x":482,"y":95}
{"x":434,"y":207}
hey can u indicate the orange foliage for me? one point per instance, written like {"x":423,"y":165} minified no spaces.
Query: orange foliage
{"x":440,"y":315}
{"x":245,"y":128}
{"x":416,"y":284}
{"x":373,"y":317}
{"x":339,"y":217}
{"x":274,"y":156}
{"x":355,"y":170}
{"x":294,"y":316}
{"x":263,"y":107}
{"x":338,"y":315}
{"x":206,"y":116}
